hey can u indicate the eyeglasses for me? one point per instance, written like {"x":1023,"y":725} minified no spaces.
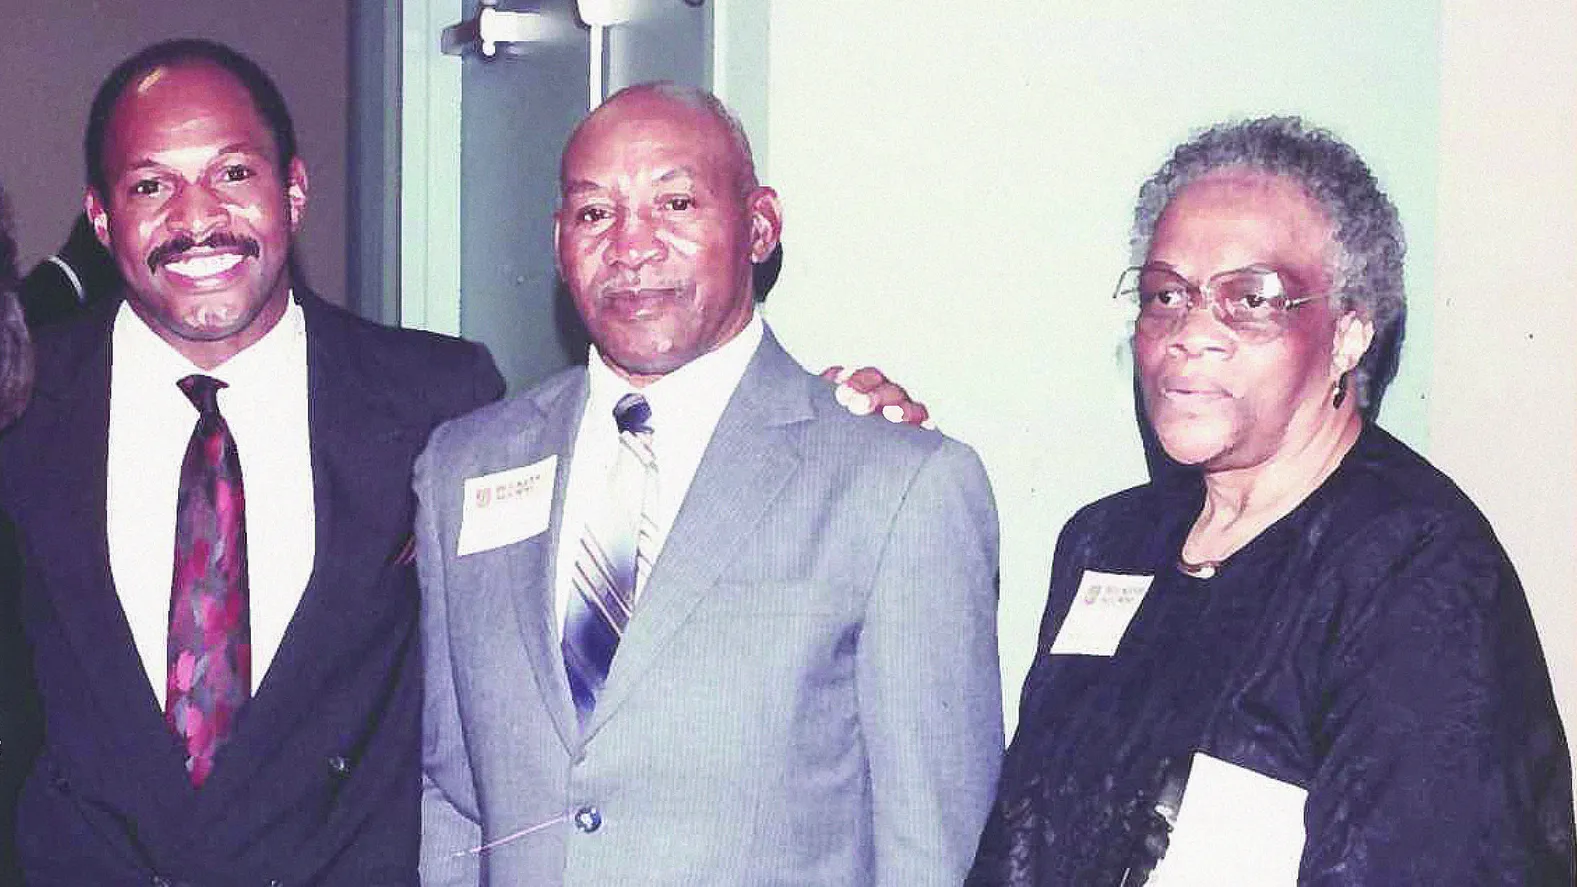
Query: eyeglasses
{"x":1252,"y":302}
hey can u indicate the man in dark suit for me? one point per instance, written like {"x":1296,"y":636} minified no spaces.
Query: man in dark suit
{"x":245,"y":712}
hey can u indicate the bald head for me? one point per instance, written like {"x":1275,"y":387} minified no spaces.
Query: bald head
{"x":701,"y":110}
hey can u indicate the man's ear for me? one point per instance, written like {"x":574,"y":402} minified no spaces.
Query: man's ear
{"x":766,"y":223}
{"x":1354,"y":332}
{"x":93,"y":205}
{"x":296,"y":185}
{"x":558,"y":216}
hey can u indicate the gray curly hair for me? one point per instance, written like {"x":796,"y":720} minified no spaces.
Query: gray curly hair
{"x":1370,"y":246}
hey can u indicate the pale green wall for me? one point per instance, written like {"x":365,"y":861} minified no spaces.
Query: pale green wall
{"x":957,"y":182}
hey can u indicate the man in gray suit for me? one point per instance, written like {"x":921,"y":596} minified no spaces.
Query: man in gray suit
{"x":802,"y":601}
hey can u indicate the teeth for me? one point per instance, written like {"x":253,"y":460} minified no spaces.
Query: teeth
{"x":204,"y":266}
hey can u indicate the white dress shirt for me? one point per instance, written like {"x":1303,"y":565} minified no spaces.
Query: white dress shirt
{"x":151,"y":421}
{"x":686,"y":405}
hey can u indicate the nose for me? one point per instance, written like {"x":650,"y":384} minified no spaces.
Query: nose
{"x":196,"y":212}
{"x":633,"y":242}
{"x":1199,"y":331}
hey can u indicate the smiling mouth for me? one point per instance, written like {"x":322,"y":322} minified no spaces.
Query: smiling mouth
{"x":217,"y":254}
{"x":198,"y":267}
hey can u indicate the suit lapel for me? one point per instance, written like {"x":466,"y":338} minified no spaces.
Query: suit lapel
{"x":753,"y":448}
{"x":71,"y":406}
{"x":533,"y":573}
{"x":349,"y":429}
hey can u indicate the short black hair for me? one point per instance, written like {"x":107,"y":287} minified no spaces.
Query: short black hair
{"x":186,"y":51}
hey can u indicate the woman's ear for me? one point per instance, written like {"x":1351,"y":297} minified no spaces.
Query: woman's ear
{"x":1354,"y":332}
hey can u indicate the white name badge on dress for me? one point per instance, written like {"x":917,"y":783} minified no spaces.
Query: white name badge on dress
{"x":507,"y":506}
{"x":1235,"y":826}
{"x":1100,"y":614}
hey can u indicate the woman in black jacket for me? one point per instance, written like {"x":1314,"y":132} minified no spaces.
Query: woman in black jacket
{"x":18,"y":706}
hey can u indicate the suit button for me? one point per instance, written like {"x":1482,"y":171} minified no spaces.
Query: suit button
{"x":160,"y":881}
{"x":588,"y":819}
{"x":339,"y":766}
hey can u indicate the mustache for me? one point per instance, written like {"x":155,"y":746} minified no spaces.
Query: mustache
{"x":172,"y":249}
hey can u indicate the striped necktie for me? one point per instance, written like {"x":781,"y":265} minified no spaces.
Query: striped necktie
{"x":616,"y":552}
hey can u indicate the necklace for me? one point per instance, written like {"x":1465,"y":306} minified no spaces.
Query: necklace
{"x":1201,"y":570}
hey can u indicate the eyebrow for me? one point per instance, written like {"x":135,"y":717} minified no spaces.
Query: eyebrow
{"x":580,"y":186}
{"x":243,"y":148}
{"x":232,"y":148}
{"x":679,"y":172}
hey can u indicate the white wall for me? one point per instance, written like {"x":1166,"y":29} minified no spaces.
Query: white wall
{"x":958,"y":180}
{"x":1503,"y":413}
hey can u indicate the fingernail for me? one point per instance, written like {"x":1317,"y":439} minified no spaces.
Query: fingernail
{"x":844,"y":395}
{"x":893,"y":413}
{"x":860,"y":404}
{"x":844,"y":375}
{"x":928,"y":425}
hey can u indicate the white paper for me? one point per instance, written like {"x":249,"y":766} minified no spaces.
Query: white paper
{"x":1235,"y":826}
{"x":505,"y":507}
{"x":1100,"y":613}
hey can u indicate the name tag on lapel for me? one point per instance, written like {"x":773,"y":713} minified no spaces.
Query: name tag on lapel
{"x":507,"y":506}
{"x":1100,"y":613}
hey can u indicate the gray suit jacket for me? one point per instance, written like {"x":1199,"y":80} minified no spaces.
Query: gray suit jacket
{"x":808,"y":692}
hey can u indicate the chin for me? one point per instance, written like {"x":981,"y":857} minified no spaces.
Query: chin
{"x":210,"y":326}
{"x":642,"y":363}
{"x":1198,"y":444}
{"x":647,"y":352}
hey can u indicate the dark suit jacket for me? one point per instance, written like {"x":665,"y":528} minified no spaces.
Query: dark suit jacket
{"x":18,"y":703}
{"x":320,"y":783}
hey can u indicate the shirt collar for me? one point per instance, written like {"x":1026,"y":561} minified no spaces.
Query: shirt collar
{"x":694,"y":394}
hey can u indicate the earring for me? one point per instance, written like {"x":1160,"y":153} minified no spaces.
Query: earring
{"x":1339,"y":391}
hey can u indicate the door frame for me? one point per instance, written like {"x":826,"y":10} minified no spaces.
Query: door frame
{"x":421,"y":282}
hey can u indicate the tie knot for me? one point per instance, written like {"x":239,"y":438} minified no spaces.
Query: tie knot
{"x":203,"y":392}
{"x":633,"y":414}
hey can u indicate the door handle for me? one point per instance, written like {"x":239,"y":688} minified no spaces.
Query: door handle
{"x":513,"y":31}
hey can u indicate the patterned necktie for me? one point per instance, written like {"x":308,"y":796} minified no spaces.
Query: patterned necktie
{"x":210,"y":640}
{"x":615,"y":555}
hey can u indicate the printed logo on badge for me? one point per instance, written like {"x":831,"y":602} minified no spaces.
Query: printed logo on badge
{"x":1102,"y":609}
{"x":506,"y":507}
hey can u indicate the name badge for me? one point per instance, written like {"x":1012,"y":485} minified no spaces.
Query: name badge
{"x":505,"y":507}
{"x":1100,"y":614}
